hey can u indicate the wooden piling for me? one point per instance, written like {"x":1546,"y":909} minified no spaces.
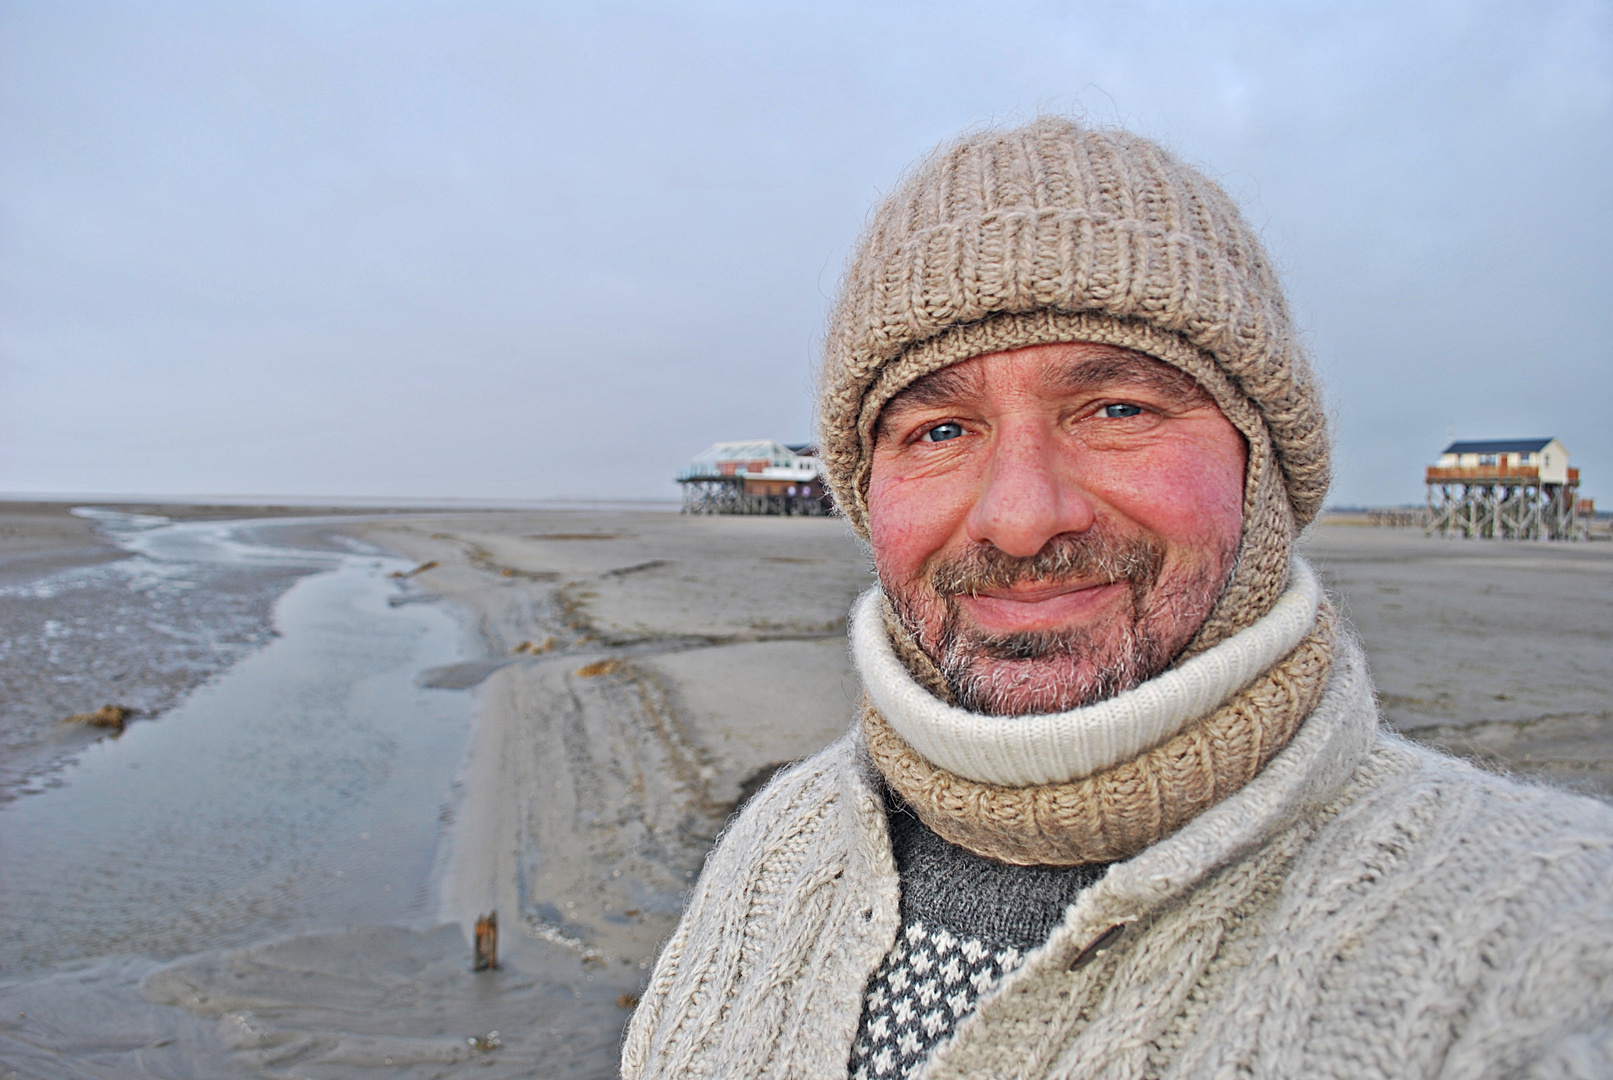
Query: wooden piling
{"x":486,"y":956}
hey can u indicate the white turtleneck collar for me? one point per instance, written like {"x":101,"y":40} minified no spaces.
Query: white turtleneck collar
{"x":1055,"y":748}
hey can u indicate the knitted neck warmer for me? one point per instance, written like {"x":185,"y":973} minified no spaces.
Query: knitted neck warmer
{"x":1100,"y":783}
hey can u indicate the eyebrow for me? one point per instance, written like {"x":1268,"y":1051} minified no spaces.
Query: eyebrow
{"x":1136,"y":370}
{"x":950,"y":383}
{"x":936,"y":388}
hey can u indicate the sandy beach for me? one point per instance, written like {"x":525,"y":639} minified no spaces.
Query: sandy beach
{"x":632,"y":676}
{"x":39,"y":537}
{"x":645,"y":672}
{"x":1501,"y":651}
{"x":685,"y":658}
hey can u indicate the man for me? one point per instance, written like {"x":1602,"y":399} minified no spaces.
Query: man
{"x":1118,"y":804}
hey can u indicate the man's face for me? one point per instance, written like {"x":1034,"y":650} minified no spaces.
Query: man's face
{"x":1054,"y":523}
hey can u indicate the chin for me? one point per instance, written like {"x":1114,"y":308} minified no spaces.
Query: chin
{"x":1050,"y":670}
{"x":1036,"y":672}
{"x":1051,"y":683}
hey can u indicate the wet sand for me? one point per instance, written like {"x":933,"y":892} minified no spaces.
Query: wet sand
{"x":1501,"y":651}
{"x":301,"y":790}
{"x":85,"y":623}
{"x":38,"y":538}
{"x":687,"y":657}
{"x":264,"y":855}
{"x":679,"y":661}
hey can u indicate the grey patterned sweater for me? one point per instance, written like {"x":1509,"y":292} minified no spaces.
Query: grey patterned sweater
{"x":966,"y":922}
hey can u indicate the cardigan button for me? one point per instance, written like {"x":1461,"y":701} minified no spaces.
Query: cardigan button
{"x":1097,"y":945}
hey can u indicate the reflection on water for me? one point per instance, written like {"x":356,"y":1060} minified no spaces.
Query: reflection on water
{"x":300,"y":793}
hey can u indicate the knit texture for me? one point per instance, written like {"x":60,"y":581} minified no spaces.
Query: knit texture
{"x":1361,"y":908}
{"x":930,"y":981}
{"x":1058,"y":747}
{"x":966,"y":922}
{"x":967,"y":918}
{"x":1052,"y":232}
{"x":1058,"y":218}
{"x":1119,"y":811}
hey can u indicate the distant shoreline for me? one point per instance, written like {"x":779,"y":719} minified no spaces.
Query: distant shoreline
{"x":202,"y":507}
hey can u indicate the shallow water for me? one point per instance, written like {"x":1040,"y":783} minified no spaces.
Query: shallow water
{"x":179,"y":904}
{"x":367,"y":1002}
{"x":143,"y":631}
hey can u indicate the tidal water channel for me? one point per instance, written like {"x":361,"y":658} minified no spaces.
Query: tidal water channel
{"x":246,"y":885}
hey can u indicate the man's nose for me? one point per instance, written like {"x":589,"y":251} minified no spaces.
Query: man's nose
{"x":1031,"y":492}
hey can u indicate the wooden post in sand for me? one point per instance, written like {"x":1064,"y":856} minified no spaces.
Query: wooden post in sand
{"x":486,"y":957}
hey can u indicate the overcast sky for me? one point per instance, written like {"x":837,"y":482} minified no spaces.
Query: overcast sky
{"x":501,"y":250}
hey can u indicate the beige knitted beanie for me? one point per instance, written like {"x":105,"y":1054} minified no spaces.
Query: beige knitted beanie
{"x":1053,"y":232}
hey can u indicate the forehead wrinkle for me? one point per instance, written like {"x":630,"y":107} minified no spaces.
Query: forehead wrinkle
{"x":1130,"y":368}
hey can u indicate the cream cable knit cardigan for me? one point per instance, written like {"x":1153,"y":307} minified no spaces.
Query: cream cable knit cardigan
{"x":1059,"y":747}
{"x":1362,"y":908}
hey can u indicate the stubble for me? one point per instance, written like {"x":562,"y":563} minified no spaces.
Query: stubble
{"x":1048,"y":671}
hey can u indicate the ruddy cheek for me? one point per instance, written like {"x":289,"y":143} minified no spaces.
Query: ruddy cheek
{"x":1196,"y":505}
{"x":1218,"y":487}
{"x":908,"y":521}
{"x":1181,"y":492}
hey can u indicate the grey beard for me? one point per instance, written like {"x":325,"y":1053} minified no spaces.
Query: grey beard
{"x":1019,"y":689}
{"x":1057,"y":670}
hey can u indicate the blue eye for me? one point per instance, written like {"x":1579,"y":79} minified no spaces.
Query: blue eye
{"x":943,"y":432}
{"x":1119,"y":412}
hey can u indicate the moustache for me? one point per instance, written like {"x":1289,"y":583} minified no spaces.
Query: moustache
{"x":1095,"y":556}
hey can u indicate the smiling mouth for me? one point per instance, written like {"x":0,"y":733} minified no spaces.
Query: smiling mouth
{"x":1035,"y":592}
{"x":1038,"y":606}
{"x":1074,"y":583}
